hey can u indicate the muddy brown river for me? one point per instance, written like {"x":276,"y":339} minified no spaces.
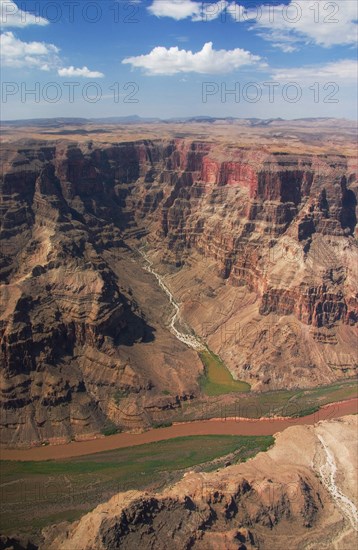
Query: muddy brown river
{"x":216,"y":426}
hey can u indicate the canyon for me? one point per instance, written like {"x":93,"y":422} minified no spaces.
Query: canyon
{"x":256,"y":242}
{"x":287,"y":497}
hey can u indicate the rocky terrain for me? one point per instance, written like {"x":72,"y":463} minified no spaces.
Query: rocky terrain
{"x":265,"y":254}
{"x":257,"y":245}
{"x":289,"y":497}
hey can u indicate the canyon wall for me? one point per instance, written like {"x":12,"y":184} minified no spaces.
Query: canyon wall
{"x":280,"y":229}
{"x":79,"y":331}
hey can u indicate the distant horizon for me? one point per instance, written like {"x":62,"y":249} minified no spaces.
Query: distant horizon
{"x":277,"y":58}
{"x":156,"y":119}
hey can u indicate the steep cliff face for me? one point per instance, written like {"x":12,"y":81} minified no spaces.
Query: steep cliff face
{"x":288,"y":497}
{"x":280,"y":225}
{"x":71,"y":328}
{"x":75,"y":323}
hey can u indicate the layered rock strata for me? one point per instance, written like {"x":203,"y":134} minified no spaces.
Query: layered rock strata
{"x":258,"y":247}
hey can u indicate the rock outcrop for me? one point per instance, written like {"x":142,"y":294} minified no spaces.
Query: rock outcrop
{"x":289,"y":497}
{"x":280,"y":229}
{"x":75,"y":342}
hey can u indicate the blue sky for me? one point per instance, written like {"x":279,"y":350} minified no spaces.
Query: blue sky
{"x":173,"y":58}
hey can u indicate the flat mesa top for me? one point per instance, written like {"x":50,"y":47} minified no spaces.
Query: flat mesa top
{"x":313,"y":136}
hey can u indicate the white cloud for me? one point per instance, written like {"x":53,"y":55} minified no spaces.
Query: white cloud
{"x":182,"y":9}
{"x":207,"y":61}
{"x":211,"y":11}
{"x":286,"y":48}
{"x":323,"y":23}
{"x":287,"y":26}
{"x":12,"y":16}
{"x":176,"y":9}
{"x":84,"y":72}
{"x":342,"y":71}
{"x":16,"y":54}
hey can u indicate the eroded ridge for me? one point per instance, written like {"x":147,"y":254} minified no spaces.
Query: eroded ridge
{"x":274,"y":500}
